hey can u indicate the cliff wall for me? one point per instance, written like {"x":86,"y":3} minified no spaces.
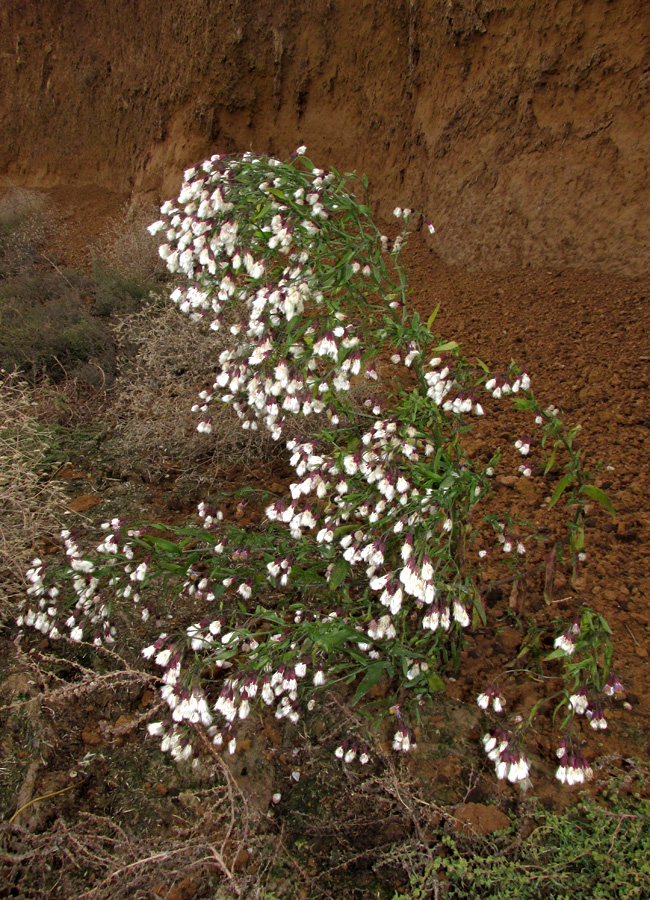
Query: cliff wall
{"x":521,"y":128}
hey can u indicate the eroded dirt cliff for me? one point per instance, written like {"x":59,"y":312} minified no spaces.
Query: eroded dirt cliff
{"x":520,"y":127}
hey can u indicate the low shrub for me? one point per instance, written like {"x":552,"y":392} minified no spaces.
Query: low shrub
{"x":379,"y":559}
{"x":126,"y":266}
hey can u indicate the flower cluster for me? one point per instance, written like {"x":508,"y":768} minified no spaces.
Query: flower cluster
{"x":510,"y":763}
{"x":573,"y":768}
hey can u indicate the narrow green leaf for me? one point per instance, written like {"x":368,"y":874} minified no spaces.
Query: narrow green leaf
{"x":279,"y":195}
{"x":599,"y":496}
{"x":579,"y":540}
{"x":560,"y":489}
{"x":432,"y":317}
{"x":556,"y":654}
{"x":171,"y":567}
{"x":339,"y":573}
{"x":479,"y":613}
{"x":369,"y":680}
{"x":450,"y":345}
{"x":550,"y":461}
{"x":164,"y":544}
{"x":331,"y":640}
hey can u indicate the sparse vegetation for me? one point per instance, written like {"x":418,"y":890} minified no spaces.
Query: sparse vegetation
{"x":30,"y":502}
{"x":109,"y":815}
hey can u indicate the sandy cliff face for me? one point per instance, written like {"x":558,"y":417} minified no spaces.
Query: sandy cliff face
{"x":521,"y":126}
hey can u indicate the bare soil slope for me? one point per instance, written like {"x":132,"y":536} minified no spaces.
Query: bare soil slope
{"x":520,"y":127}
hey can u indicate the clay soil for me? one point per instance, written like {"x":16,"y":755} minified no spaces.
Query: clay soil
{"x":81,"y":742}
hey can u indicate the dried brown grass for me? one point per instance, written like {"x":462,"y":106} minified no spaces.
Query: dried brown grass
{"x":166,"y":361}
{"x":97,"y":858}
{"x":126,"y":248}
{"x":27,"y":227}
{"x":30,"y":503}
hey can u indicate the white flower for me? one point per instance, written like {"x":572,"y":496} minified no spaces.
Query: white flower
{"x":460,"y":614}
{"x":565,"y":642}
{"x":578,"y":702}
{"x":163,"y":657}
{"x":350,"y":756}
{"x":599,"y":723}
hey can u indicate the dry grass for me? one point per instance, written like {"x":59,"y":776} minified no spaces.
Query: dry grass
{"x":96,"y":858}
{"x":27,"y":226}
{"x":167,"y":361}
{"x":126,"y":248}
{"x":30,"y":504}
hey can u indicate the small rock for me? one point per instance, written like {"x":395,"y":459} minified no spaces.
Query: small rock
{"x":597,"y":375}
{"x":510,"y":639}
{"x":91,"y":736}
{"x":84,"y":502}
{"x":477,"y":818}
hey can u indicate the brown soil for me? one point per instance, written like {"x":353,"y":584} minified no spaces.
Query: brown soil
{"x":521,"y":129}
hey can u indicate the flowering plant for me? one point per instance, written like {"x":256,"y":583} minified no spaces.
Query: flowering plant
{"x":375,"y":562}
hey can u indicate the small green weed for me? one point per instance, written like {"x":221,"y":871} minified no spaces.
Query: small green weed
{"x":590,"y":852}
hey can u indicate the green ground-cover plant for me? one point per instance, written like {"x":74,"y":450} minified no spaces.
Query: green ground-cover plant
{"x":372,"y":566}
{"x":589,"y":852}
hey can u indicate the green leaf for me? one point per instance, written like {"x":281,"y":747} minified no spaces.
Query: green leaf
{"x":171,"y":567}
{"x":164,"y":544}
{"x":579,"y":540}
{"x":435,"y":683}
{"x":560,"y":489}
{"x":370,"y":679}
{"x":479,"y":613}
{"x":550,"y":461}
{"x":339,"y":573}
{"x":556,"y":654}
{"x":599,"y":496}
{"x":262,"y":212}
{"x":450,"y":345}
{"x":432,"y":317}
{"x":279,"y":195}
{"x":331,"y":640}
